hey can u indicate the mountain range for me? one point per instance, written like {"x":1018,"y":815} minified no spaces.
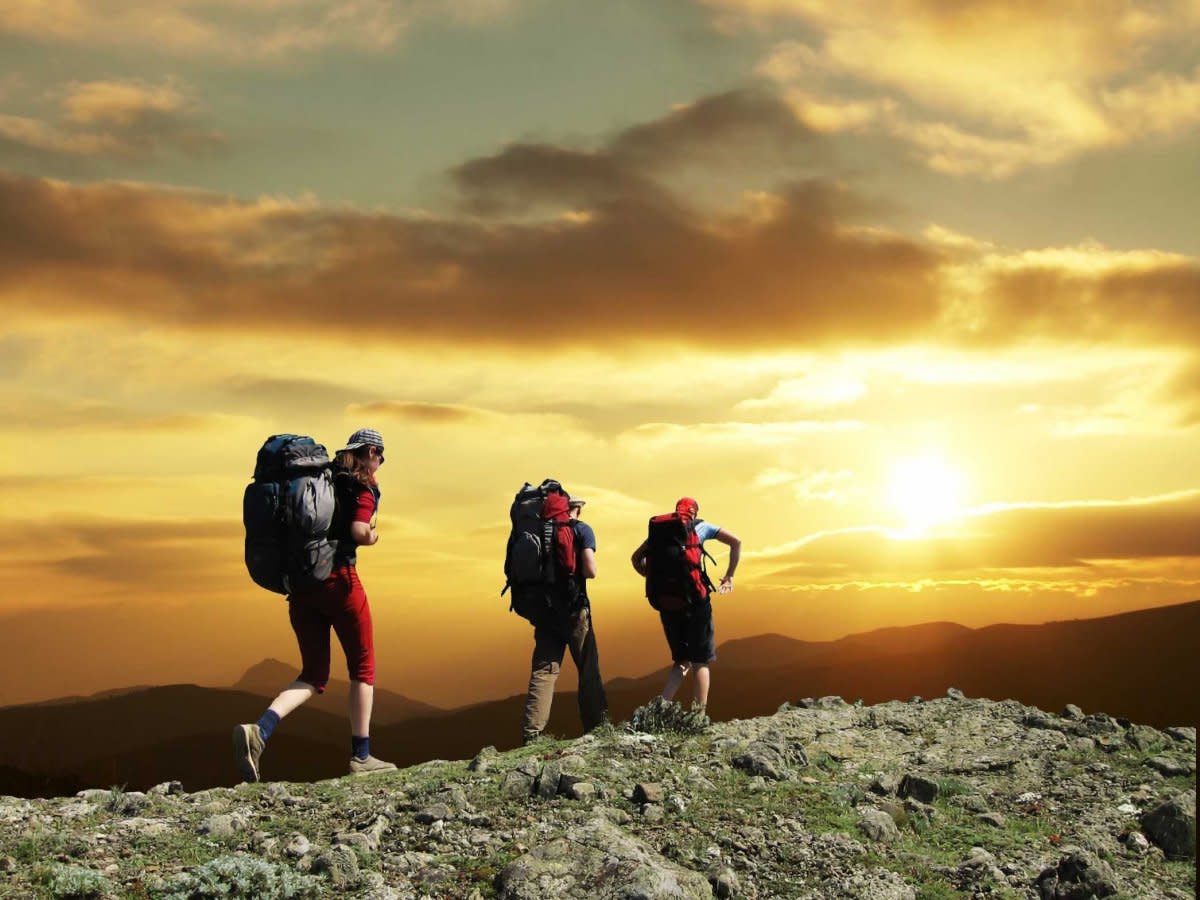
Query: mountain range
{"x":1140,"y":665}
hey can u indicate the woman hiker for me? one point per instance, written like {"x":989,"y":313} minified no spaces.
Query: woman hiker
{"x":341,"y":603}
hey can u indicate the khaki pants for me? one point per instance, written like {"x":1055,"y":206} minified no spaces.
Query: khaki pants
{"x":551,"y":638}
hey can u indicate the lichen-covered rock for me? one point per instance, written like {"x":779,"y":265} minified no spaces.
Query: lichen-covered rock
{"x":1078,"y":875}
{"x":878,"y":826}
{"x":1172,"y":826}
{"x":599,"y":860}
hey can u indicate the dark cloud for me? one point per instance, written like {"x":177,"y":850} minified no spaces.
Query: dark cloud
{"x":630,"y":272}
{"x":1034,"y":537}
{"x":634,"y":263}
{"x":423,"y":413}
{"x":1136,"y":302}
{"x":742,"y":128}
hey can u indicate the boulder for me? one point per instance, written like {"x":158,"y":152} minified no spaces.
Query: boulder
{"x":878,"y":826}
{"x":1078,"y":875}
{"x":918,"y":788}
{"x":1172,"y":826}
{"x":770,"y":757}
{"x":599,"y":860}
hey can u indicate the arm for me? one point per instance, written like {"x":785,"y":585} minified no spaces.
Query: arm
{"x":589,"y":563}
{"x":364,"y":535}
{"x":735,"y":554}
{"x":639,"y":559}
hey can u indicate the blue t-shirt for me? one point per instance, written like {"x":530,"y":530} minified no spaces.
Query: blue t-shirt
{"x":585,"y":539}
{"x":706,"y":530}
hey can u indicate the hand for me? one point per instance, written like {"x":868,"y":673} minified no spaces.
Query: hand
{"x":726,"y":585}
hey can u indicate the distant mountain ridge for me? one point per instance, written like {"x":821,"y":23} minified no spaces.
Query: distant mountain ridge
{"x":1140,"y":665}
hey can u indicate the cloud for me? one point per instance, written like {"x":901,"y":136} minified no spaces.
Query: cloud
{"x":422,"y":413}
{"x":243,"y":30}
{"x":792,"y":271}
{"x":791,"y":268}
{"x":741,"y":128}
{"x":986,"y":88}
{"x":1000,"y":541}
{"x":127,"y":120}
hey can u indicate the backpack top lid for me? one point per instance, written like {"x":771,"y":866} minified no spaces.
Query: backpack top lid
{"x":556,"y":507}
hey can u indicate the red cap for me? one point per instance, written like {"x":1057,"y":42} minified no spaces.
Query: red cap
{"x":687,"y":507}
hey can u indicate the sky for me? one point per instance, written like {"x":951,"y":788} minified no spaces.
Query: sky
{"x":905,"y":292}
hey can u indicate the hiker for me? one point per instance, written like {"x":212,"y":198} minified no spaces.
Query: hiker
{"x":338,"y":602}
{"x":677,"y":586}
{"x":567,"y":625}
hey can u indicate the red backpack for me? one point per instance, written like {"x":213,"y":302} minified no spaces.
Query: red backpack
{"x":675,"y":576}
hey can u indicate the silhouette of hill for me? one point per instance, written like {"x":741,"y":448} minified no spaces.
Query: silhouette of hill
{"x":270,"y":676}
{"x":1139,"y":665}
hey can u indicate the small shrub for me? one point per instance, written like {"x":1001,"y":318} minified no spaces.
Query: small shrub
{"x":115,"y":801}
{"x":76,"y":883}
{"x":661,"y":716}
{"x":953,"y":787}
{"x":240,"y":876}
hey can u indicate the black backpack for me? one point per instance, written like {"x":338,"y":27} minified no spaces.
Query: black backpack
{"x":532,"y":570}
{"x":287,"y":511}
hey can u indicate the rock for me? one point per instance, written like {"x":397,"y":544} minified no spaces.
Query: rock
{"x":878,"y":826}
{"x":647,"y":792}
{"x":145,"y":827}
{"x":724,"y":882}
{"x":1135,"y":842}
{"x":770,"y":758}
{"x":884,"y":785}
{"x":652,"y":812}
{"x":1079,"y":875}
{"x":677,"y":803}
{"x":1082,"y":744}
{"x":1143,"y":737}
{"x":166,"y":789}
{"x":546,"y":786}
{"x":599,"y":860}
{"x":339,"y":864}
{"x":222,"y":827}
{"x":1172,"y":826}
{"x":298,"y":846}
{"x":757,"y":783}
{"x":1171,"y":767}
{"x":582,"y":790}
{"x":76,"y":810}
{"x":7,"y":864}
{"x":435,"y":812}
{"x":517,"y":785}
{"x":916,"y":698}
{"x":483,"y":760}
{"x":955,"y":694}
{"x":1183,"y":734}
{"x":568,"y":781}
{"x":918,"y":788}
{"x":995,"y":819}
{"x":1072,"y":712}
{"x":573,"y":763}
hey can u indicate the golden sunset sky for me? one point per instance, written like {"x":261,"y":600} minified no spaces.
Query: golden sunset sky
{"x":905,"y":292}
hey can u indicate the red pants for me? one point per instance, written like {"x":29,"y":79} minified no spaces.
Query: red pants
{"x":341,"y":603}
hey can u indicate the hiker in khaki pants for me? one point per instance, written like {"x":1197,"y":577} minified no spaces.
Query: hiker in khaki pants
{"x":559,"y":630}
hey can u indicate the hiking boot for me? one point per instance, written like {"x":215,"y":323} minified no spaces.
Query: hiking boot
{"x":369,"y":765}
{"x":248,"y":746}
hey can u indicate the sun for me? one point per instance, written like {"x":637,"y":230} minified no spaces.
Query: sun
{"x":925,"y":490}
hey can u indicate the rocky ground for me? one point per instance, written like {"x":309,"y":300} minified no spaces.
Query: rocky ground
{"x":942,"y":798}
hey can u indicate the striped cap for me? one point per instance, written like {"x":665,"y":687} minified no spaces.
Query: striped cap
{"x":364,"y":437}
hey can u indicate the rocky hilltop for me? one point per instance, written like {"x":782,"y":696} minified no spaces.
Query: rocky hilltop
{"x":948,"y":797}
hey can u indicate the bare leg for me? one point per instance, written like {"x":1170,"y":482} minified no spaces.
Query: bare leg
{"x":700,"y":682}
{"x":362,"y":698}
{"x":674,"y":680}
{"x":292,"y":697}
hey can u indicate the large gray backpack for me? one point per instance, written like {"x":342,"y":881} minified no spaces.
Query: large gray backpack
{"x":287,"y":510}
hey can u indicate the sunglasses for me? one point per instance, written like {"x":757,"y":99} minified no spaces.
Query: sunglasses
{"x":378,"y":452}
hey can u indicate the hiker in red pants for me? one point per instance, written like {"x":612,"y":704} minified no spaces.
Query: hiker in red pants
{"x":340,"y":603}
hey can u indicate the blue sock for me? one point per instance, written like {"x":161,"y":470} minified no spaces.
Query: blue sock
{"x":267,"y":723}
{"x":360,"y":747}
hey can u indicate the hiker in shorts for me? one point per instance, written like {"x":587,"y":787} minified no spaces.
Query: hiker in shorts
{"x":560,"y":630}
{"x":339,"y":603}
{"x":689,"y":631}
